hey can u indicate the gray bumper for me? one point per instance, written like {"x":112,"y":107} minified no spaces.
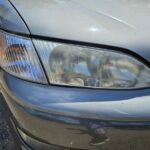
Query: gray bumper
{"x":79,"y":118}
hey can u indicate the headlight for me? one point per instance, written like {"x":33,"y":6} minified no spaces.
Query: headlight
{"x":71,"y":65}
{"x":91,"y":67}
{"x":18,"y":57}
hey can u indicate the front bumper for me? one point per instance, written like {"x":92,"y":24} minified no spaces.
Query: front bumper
{"x":77,"y":118}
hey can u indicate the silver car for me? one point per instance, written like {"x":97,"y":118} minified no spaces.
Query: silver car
{"x":75,"y":74}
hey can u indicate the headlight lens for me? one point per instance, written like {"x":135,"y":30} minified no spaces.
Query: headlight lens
{"x":18,"y":57}
{"x":71,"y":65}
{"x":90,"y":67}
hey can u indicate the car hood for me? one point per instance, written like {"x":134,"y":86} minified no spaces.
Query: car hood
{"x":121,"y":23}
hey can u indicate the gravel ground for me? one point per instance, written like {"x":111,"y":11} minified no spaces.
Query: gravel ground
{"x":7,"y":140}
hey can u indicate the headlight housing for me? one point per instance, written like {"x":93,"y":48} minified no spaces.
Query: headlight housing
{"x":18,"y":57}
{"x":83,"y":66}
{"x":71,"y":65}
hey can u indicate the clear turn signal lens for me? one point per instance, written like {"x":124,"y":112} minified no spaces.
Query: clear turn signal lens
{"x":18,"y":57}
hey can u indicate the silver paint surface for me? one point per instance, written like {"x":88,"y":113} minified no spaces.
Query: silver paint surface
{"x":10,"y":19}
{"x":122,"y":23}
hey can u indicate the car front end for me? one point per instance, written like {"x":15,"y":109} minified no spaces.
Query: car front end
{"x":76,"y":75}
